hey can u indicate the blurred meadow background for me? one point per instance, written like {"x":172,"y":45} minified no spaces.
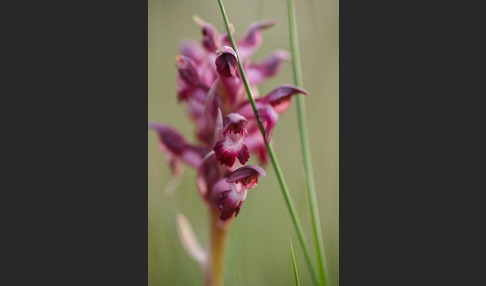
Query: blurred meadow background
{"x":258,"y":250}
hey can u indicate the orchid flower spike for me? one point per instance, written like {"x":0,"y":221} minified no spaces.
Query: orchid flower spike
{"x":210,"y":86}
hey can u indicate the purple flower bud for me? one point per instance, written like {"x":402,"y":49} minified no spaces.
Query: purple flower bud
{"x":227,"y":62}
{"x":227,"y":67}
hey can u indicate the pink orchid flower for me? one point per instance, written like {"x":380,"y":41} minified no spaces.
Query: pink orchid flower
{"x":210,"y":86}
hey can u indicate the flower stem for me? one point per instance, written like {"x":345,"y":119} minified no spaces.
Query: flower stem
{"x":304,"y":138}
{"x":214,"y":269}
{"x":272,"y":155}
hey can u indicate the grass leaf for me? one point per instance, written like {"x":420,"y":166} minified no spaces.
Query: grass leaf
{"x":306,"y":155}
{"x":297,"y":282}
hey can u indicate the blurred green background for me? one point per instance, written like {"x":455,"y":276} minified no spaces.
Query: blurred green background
{"x":258,"y":250}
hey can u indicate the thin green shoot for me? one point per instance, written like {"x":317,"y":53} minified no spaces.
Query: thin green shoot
{"x":296,"y":274}
{"x":306,"y":154}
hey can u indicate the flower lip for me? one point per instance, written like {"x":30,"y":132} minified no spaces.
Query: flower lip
{"x":229,"y":198}
{"x":228,"y":150}
{"x":246,"y":175}
{"x":229,"y":204}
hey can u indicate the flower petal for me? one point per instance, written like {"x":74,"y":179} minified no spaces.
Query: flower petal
{"x":252,"y":38}
{"x":224,"y":36}
{"x":187,"y":71}
{"x":169,"y":139}
{"x":256,"y":144}
{"x":172,"y":142}
{"x":206,"y":117}
{"x":246,"y":175}
{"x":210,"y":41}
{"x":207,"y":175}
{"x":218,"y":131}
{"x":267,"y":114}
{"x":279,"y":98}
{"x":192,"y":50}
{"x":193,"y":155}
{"x":259,"y":71}
{"x":246,"y":109}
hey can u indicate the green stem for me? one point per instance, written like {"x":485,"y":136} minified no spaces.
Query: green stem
{"x":304,"y":138}
{"x":273,"y":158}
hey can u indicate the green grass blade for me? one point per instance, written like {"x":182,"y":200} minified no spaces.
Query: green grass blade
{"x":296,"y":274}
{"x":273,"y":158}
{"x":304,"y":138}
